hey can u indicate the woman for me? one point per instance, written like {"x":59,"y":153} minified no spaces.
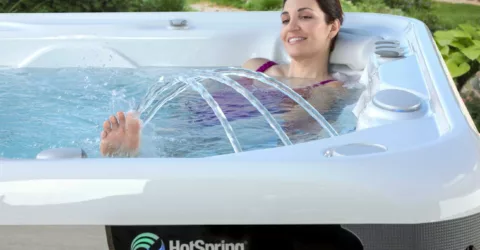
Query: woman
{"x":309,"y":31}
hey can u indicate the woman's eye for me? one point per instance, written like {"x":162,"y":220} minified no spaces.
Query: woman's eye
{"x":284,"y":21}
{"x":306,"y":17}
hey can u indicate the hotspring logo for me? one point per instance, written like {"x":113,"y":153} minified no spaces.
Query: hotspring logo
{"x":145,"y":241}
{"x":150,"y":241}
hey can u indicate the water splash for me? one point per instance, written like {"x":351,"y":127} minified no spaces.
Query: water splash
{"x":217,"y":110}
{"x":163,"y":96}
{"x":254,"y":101}
{"x":154,"y":91}
{"x":284,"y":89}
{"x":170,"y":87}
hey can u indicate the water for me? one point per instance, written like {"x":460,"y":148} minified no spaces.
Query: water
{"x":51,"y":108}
{"x":285,"y":90}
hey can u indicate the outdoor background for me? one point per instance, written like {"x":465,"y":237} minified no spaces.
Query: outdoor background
{"x":454,"y":23}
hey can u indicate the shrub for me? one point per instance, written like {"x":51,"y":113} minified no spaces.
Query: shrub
{"x":158,"y":5}
{"x":428,"y":17}
{"x":460,"y":48}
{"x":348,"y":6}
{"x":264,"y":5}
{"x":408,"y":5}
{"x":240,"y":4}
{"x":376,"y":6}
{"x":29,"y":6}
{"x":419,"y":9}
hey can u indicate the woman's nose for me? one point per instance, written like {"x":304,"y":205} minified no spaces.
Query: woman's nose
{"x":293,"y":24}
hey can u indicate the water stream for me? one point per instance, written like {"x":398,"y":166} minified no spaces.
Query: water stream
{"x":170,"y":87}
{"x":254,"y":101}
{"x":197,"y":86}
{"x":285,"y":90}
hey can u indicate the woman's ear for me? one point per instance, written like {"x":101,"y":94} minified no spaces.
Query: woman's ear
{"x":334,"y":29}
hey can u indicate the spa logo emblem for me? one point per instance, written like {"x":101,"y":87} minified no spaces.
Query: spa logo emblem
{"x":145,"y":241}
{"x":151,"y":241}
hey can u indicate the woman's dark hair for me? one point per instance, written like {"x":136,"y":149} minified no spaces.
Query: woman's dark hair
{"x":332,"y":10}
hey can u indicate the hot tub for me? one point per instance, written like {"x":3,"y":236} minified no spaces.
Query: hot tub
{"x":405,"y":176}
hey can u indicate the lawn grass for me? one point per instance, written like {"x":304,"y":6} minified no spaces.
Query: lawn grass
{"x":450,"y":14}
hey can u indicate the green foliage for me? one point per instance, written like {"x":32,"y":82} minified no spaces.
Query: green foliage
{"x":430,"y":19}
{"x":376,"y":6}
{"x":460,"y":48}
{"x":240,"y":4}
{"x":348,"y":6}
{"x":264,"y":5}
{"x":408,"y":5}
{"x":419,"y":9}
{"x":35,"y":6}
{"x":157,"y":5}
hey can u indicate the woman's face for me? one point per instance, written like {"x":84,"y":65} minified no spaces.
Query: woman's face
{"x":305,"y":32}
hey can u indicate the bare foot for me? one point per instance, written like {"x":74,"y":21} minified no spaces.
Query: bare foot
{"x":120,"y":137}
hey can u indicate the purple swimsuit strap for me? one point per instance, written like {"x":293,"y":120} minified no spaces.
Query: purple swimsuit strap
{"x":322,"y":83}
{"x":266,"y":66}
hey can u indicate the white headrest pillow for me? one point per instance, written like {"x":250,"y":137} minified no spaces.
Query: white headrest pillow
{"x":351,"y":50}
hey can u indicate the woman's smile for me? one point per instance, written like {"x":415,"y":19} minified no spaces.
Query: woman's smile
{"x":296,"y":39}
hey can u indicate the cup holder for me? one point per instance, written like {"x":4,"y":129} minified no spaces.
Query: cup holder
{"x":354,"y":149}
{"x":396,"y":100}
{"x":61,"y":153}
{"x":391,"y":105}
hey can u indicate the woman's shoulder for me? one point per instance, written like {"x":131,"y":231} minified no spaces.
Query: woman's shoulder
{"x":255,"y":63}
{"x":263,"y":65}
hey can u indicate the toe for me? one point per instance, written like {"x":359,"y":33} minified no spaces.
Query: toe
{"x":107,"y":127}
{"x":121,"y":119}
{"x":114,"y":122}
{"x":132,"y":122}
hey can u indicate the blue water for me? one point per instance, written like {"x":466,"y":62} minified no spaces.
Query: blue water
{"x":52,"y":108}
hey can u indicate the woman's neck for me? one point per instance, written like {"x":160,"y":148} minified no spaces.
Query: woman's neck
{"x":315,"y":68}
